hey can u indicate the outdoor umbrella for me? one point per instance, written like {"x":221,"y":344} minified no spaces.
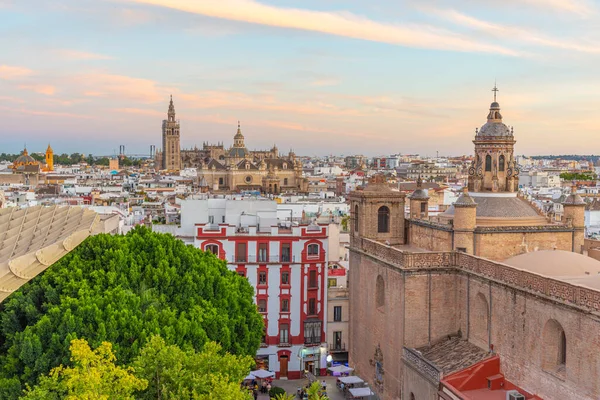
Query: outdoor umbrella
{"x":262,"y":374}
{"x":342,"y":369}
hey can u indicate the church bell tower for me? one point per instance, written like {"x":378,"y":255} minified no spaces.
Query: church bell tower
{"x":171,"y":151}
{"x":494,"y":168}
{"x":49,"y":159}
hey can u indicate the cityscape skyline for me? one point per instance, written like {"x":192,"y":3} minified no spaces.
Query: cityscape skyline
{"x":321,"y":78}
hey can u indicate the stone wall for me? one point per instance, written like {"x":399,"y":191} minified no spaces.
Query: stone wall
{"x":416,"y":383}
{"x":501,"y":245}
{"x":430,"y":237}
{"x":371,"y":326}
{"x":430,"y":295}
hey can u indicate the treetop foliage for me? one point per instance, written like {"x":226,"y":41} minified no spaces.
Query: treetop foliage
{"x":124,"y":290}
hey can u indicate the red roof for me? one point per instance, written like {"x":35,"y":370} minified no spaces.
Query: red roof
{"x":482,"y":381}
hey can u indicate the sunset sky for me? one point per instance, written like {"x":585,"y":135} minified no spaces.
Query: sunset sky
{"x":320,"y":76}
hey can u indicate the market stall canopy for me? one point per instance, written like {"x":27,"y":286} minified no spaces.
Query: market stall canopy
{"x":361,"y":392}
{"x":262,"y":374}
{"x":342,"y":369}
{"x":350,"y":380}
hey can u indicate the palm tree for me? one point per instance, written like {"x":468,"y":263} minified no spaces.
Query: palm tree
{"x":314,"y":392}
{"x":284,"y":396}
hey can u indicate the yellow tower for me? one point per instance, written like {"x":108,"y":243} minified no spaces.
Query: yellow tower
{"x":49,"y":159}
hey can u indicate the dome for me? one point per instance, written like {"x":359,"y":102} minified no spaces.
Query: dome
{"x":494,"y":125}
{"x":494,"y":129}
{"x":24,"y":159}
{"x":556,"y":263}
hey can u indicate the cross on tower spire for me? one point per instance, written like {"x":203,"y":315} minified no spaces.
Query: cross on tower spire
{"x":495,"y":90}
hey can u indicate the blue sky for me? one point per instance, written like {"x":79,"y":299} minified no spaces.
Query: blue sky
{"x":320,"y":77}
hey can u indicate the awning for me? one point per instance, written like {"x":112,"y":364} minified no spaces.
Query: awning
{"x":361,"y":392}
{"x":342,"y":369}
{"x":262,"y":374}
{"x":350,"y":380}
{"x":340,"y":357}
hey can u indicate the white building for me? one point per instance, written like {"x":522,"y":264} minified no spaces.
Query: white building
{"x":285,"y":262}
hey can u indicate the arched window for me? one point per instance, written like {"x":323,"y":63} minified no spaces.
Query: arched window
{"x":379,"y":292}
{"x":284,"y":166}
{"x":501,"y":162}
{"x":488,"y":163}
{"x":383,"y":219}
{"x":554,"y":351}
{"x":313,"y":249}
{"x":356,"y":218}
{"x":213,"y":248}
{"x":221,"y":181}
{"x":479,"y":321}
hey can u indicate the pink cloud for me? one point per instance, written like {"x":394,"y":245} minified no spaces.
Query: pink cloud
{"x":8,"y":72}
{"x":45,"y":113}
{"x":333,"y":23}
{"x":48,"y":90}
{"x":120,"y":87}
{"x":140,"y":111}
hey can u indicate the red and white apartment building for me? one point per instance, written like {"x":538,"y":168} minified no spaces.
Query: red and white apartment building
{"x":285,"y":262}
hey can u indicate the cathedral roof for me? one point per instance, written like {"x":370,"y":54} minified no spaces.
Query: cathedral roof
{"x":501,"y":207}
{"x":24,"y":159}
{"x":494,"y":126}
{"x":214,"y":163}
{"x":494,"y":129}
{"x":556,"y":263}
{"x":278,"y":162}
{"x":242,"y":165}
{"x":238,"y":152}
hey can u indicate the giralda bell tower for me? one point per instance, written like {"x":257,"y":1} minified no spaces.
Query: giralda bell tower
{"x":171,"y":150}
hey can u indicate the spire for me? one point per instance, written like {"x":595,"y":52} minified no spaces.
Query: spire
{"x":171,"y":112}
{"x":495,"y":90}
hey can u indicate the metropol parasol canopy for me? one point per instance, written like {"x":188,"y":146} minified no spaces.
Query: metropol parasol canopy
{"x":34,"y":238}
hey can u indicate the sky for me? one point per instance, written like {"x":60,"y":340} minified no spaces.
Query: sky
{"x":320,"y":77}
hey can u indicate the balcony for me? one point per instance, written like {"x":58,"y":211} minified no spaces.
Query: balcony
{"x":338,"y":347}
{"x":258,"y":259}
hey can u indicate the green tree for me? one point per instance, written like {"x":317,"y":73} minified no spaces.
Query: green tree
{"x":174,"y":374}
{"x":102,"y":161}
{"x":284,"y":396}
{"x":94,"y":375}
{"x":124,"y":290}
{"x":314,"y":392}
{"x":578,"y":176}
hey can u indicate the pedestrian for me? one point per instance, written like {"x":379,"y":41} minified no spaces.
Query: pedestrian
{"x":264,"y":387}
{"x":255,"y":392}
{"x":268,"y":387}
{"x":324,"y":384}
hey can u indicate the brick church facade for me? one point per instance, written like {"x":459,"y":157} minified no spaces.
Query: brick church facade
{"x":435,"y":297}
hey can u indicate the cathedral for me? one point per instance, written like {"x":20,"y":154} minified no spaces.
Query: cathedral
{"x":487,"y":300}
{"x":26,"y":170}
{"x":231,"y":169}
